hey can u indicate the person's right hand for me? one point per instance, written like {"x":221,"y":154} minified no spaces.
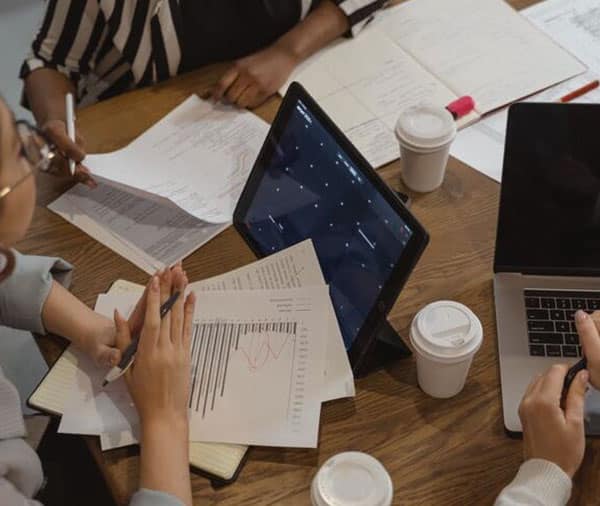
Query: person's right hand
{"x":589,"y":337}
{"x":159,"y":378}
{"x":56,"y":131}
{"x":549,"y":431}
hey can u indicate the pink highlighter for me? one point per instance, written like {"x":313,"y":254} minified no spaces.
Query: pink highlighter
{"x":461,"y":107}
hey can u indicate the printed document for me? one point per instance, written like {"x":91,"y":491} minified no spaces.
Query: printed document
{"x":146,"y":233}
{"x":430,"y":50}
{"x":575,"y":25}
{"x":197,"y":157}
{"x":257,"y":362}
{"x":294,"y":267}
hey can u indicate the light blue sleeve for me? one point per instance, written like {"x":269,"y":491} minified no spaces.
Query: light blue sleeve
{"x":23,"y":294}
{"x":146,"y":497}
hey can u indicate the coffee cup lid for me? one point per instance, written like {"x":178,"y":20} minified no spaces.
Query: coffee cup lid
{"x":425,"y":126}
{"x":352,"y":479}
{"x":446,"y":331}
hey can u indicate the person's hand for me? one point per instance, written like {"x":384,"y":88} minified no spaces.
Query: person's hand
{"x":159,"y":378}
{"x":56,"y":131}
{"x":549,"y":431}
{"x":589,"y":337}
{"x":250,"y":81}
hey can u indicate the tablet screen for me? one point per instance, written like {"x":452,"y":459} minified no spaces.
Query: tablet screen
{"x":309,"y":188}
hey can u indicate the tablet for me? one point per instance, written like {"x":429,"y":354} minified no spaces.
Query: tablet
{"x":310,"y":182}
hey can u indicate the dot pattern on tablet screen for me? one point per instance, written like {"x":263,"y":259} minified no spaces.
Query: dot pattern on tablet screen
{"x":310,"y":189}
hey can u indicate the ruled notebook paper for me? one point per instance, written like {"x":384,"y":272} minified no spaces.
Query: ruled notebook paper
{"x":220,"y":460}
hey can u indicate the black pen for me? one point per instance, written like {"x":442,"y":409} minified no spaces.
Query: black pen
{"x":129,"y":354}
{"x":572,"y":372}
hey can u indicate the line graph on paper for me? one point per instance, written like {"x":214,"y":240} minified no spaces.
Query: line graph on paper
{"x":228,"y":356}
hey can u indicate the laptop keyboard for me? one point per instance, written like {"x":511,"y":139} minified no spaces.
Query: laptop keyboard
{"x":551,"y":321}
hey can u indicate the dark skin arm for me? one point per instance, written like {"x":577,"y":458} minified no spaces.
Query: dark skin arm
{"x":251,"y":80}
{"x":45,"y":90}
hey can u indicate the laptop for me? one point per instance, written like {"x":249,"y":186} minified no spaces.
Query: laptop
{"x":547,"y":261}
{"x":310,"y":182}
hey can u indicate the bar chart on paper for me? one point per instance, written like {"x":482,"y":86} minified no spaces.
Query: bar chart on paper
{"x":253,"y":347}
{"x":258,"y":378}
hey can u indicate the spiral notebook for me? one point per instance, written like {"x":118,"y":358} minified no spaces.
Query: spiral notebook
{"x":219,"y":462}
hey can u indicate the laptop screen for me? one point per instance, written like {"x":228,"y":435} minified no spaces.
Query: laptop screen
{"x":549,"y":218}
{"x":310,"y":188}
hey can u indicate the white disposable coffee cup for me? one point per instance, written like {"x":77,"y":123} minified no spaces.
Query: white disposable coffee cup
{"x":445,"y":336}
{"x":425,"y":133}
{"x":352,"y":479}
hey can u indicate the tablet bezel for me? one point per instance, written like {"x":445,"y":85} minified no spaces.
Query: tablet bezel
{"x":404,"y":264}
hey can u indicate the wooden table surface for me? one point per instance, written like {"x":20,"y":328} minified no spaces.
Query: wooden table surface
{"x":451,"y":452}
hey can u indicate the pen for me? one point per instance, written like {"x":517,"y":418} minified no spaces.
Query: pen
{"x":579,"y":92}
{"x":461,"y":107}
{"x":70,"y":117}
{"x":572,"y":372}
{"x":129,"y":354}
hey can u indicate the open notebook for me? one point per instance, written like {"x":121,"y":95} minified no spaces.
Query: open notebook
{"x":434,"y":51}
{"x":219,"y":462}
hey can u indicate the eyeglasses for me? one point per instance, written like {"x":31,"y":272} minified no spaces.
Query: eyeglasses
{"x":36,"y":148}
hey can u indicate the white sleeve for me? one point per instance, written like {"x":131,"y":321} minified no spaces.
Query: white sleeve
{"x":538,"y":483}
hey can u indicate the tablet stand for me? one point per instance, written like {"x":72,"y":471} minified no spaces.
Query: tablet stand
{"x":387,"y":347}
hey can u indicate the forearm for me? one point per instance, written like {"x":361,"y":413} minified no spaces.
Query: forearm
{"x":46,"y":89}
{"x":65,"y":315}
{"x":323,"y":25}
{"x":164,"y":458}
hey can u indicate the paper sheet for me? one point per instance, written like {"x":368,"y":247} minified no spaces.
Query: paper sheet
{"x":297,"y":266}
{"x":244,"y":342}
{"x":146,"y":233}
{"x":481,"y":48}
{"x":575,"y":24}
{"x":429,"y":50}
{"x":197,"y":157}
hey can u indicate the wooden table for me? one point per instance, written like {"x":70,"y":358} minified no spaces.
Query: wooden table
{"x":437,"y":451}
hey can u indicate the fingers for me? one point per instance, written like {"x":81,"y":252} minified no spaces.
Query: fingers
{"x":166,"y":284}
{"x":151,"y":330}
{"x":248,"y":98}
{"x":589,"y":337}
{"x":179,"y":285}
{"x":575,"y":402}
{"x":188,"y":318}
{"x":56,"y":130}
{"x":136,"y":320}
{"x":552,"y":384}
{"x":236,"y":90}
{"x":123,"y":334}
{"x":84,"y":175}
{"x":224,"y":83}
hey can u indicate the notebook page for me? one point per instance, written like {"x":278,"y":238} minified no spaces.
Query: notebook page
{"x":53,"y":391}
{"x":481,"y":48}
{"x":219,"y":459}
{"x":363,"y":84}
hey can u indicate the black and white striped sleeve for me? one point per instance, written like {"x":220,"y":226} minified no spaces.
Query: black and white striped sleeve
{"x":360,"y":12}
{"x":67,"y":39}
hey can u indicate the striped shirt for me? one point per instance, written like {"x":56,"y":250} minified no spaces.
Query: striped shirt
{"x":106,"y":47}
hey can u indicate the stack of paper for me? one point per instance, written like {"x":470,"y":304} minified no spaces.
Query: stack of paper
{"x":172,"y":189}
{"x":575,"y":24}
{"x":435,"y":51}
{"x":266,"y":352}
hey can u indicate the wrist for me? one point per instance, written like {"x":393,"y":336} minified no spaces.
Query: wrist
{"x":292,"y":48}
{"x":173,"y":424}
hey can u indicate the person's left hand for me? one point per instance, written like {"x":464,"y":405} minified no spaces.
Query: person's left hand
{"x":253,"y":79}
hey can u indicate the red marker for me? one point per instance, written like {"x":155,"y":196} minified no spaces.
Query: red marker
{"x":461,"y":107}
{"x":579,"y":92}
